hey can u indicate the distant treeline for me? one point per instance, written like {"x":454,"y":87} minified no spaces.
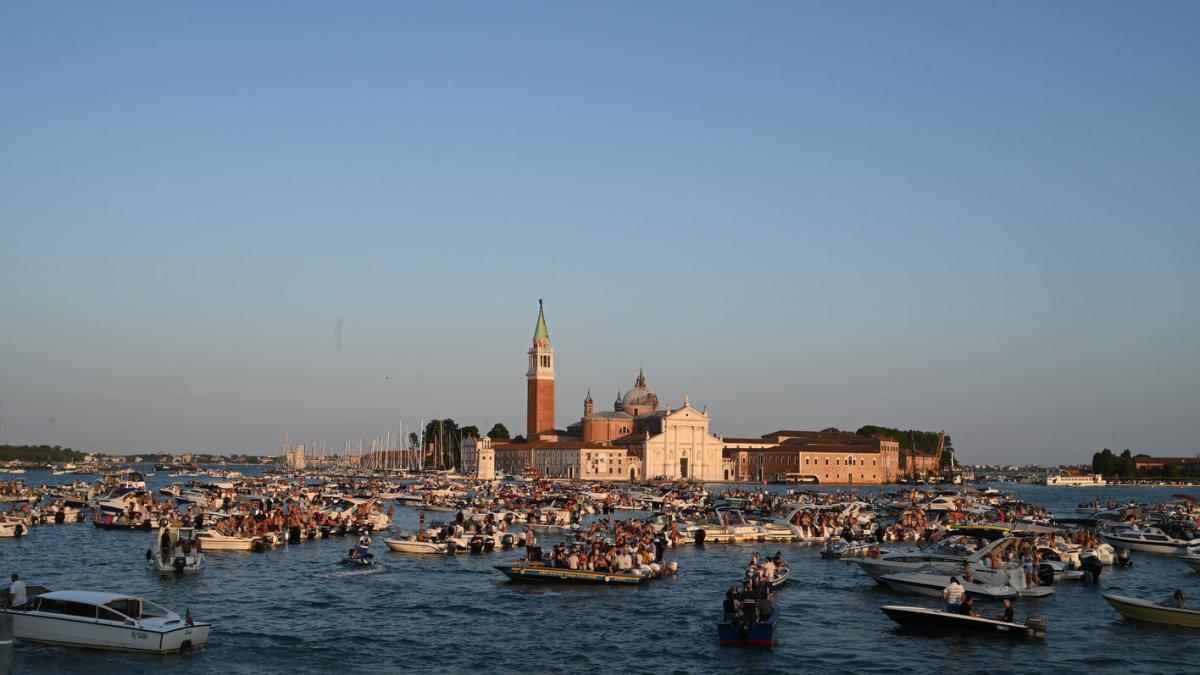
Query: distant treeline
{"x":1109,"y":463}
{"x":39,"y":453}
{"x":924,"y":442}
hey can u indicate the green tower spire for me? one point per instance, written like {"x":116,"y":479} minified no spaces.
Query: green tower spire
{"x":540,"y":333}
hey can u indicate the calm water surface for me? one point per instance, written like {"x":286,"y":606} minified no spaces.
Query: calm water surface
{"x":296,"y":609}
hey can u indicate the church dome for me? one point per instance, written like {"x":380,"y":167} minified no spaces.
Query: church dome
{"x":641,"y":396}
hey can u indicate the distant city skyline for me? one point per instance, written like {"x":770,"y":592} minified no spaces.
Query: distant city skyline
{"x":218,"y":228}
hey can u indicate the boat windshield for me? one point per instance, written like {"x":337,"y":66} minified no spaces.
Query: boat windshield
{"x":130,"y":607}
{"x":959,"y":545}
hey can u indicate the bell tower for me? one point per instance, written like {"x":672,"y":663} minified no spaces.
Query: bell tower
{"x":539,"y":417}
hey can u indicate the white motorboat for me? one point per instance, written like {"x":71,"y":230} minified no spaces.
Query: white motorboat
{"x":727,"y":526}
{"x":1191,"y":558}
{"x":106,"y":621}
{"x":12,"y":527}
{"x":1137,"y":609}
{"x":991,"y":584}
{"x":410,"y":544}
{"x":175,"y":551}
{"x":213,"y":540}
{"x":1148,"y":540}
{"x":960,"y":546}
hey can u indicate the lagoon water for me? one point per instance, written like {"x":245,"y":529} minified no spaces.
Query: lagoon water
{"x":295,"y":609}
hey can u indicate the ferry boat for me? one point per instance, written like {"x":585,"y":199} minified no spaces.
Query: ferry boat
{"x":112,"y":621}
{"x":1087,"y":480}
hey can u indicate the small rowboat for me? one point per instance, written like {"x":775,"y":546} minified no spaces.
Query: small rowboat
{"x":936,"y":619}
{"x":1136,"y":609}
{"x":543,"y":574}
{"x":761,"y":634}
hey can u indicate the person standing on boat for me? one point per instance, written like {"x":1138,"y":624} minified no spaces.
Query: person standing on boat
{"x":953,"y":594}
{"x":17,"y":597}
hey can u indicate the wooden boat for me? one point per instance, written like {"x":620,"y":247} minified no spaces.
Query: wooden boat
{"x":106,"y":621}
{"x":935,"y":619}
{"x":535,"y":572}
{"x":761,"y":634}
{"x":1136,"y":609}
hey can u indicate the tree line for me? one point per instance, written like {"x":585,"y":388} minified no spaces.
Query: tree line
{"x":39,"y":453}
{"x":1108,"y":463}
{"x":921,"y":442}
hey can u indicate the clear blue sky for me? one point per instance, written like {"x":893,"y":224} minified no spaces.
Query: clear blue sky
{"x":977,"y":217}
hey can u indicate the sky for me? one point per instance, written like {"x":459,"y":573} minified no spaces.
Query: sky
{"x":221,"y":223}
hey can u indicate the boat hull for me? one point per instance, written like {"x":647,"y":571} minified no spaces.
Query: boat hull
{"x":931,"y":619}
{"x":542,"y":574}
{"x":762,"y":634}
{"x":94,"y":634}
{"x":1136,"y":609}
{"x":423,"y":547}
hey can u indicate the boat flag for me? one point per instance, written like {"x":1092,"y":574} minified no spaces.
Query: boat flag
{"x":188,"y":617}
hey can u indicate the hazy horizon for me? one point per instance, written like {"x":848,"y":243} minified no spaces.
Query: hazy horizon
{"x":221,"y":227}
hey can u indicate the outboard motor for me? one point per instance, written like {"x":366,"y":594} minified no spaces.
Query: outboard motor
{"x":60,"y":518}
{"x":700,"y":536}
{"x":451,"y":547}
{"x":476,"y":544}
{"x":489,"y":544}
{"x":1091,"y":567}
{"x":507,"y":541}
{"x":535,"y":554}
{"x":19,"y":529}
{"x":1123,"y":560}
{"x":294,"y":534}
{"x":179,"y":563}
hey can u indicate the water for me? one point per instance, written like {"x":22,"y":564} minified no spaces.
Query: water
{"x":296,"y":609}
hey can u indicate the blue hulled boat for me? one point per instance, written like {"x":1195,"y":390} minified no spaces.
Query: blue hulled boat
{"x":737,"y":634}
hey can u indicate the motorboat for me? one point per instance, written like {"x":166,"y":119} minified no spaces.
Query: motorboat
{"x":959,"y":547}
{"x":941,"y":621}
{"x":986,"y":583}
{"x":727,"y":526}
{"x":175,"y":551}
{"x":1137,"y":609}
{"x":412,"y":544}
{"x":738,"y":634}
{"x":1148,"y":540}
{"x":214,"y":540}
{"x":115,"y":621}
{"x":539,"y":573}
{"x":1191,"y":558}
{"x":11,"y":527}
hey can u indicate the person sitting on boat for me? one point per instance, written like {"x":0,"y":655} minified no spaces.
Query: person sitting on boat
{"x":967,"y":608}
{"x":953,"y":594}
{"x":732,"y":606}
{"x":1008,"y":611}
{"x":1176,"y":601}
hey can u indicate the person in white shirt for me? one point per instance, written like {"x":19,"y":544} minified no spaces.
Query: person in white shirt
{"x":17,"y":596}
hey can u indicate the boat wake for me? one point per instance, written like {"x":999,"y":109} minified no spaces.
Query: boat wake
{"x":373,"y":569}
